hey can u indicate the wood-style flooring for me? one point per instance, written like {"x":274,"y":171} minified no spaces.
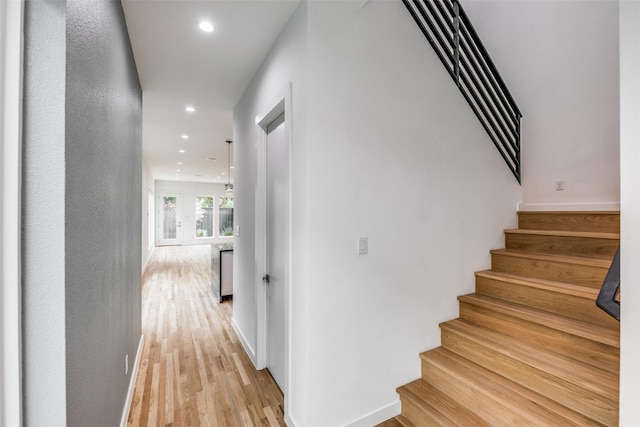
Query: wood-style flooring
{"x":193,"y":370}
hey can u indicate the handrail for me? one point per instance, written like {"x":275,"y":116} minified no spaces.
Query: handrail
{"x":449,"y":31}
{"x":609,"y":296}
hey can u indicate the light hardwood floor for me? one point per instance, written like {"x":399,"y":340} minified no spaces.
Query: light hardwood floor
{"x":193,"y":370}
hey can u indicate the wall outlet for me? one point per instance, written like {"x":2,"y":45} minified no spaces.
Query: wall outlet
{"x":559,"y":185}
{"x":126,"y":364}
{"x":363,"y":245}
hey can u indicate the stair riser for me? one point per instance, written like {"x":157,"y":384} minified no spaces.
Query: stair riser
{"x":563,"y":245}
{"x":417,"y":416}
{"x":586,"y":275}
{"x":576,"y":221}
{"x":583,"y":350}
{"x":573,"y":396}
{"x":485,"y":407}
{"x":436,"y":410}
{"x":574,"y":307}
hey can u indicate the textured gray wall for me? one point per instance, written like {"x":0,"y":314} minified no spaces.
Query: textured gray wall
{"x":103,"y":211}
{"x":96,"y":210}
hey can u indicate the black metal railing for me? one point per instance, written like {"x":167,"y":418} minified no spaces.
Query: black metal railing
{"x":449,"y":31}
{"x":609,"y":296}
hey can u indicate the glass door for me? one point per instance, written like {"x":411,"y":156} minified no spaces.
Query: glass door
{"x":169,"y":219}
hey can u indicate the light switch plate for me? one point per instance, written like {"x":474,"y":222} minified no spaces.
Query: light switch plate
{"x":363,"y":245}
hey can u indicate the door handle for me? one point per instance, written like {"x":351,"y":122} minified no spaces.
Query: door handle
{"x":266,"y":279}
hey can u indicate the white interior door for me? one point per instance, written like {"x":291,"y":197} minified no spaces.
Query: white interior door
{"x":276,"y":245}
{"x":169,"y":222}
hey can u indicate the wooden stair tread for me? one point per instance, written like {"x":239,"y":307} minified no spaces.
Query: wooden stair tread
{"x":398,"y":421}
{"x":598,"y":382}
{"x":404,"y":421}
{"x":564,"y":233}
{"x":551,"y":320}
{"x":550,"y":285}
{"x":530,"y":348}
{"x":586,"y":261}
{"x":444,"y":410}
{"x":526,"y":403}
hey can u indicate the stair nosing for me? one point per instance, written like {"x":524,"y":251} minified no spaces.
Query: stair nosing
{"x":587,"y":261}
{"x":523,"y":353}
{"x":573,"y":289}
{"x":551,"y":320}
{"x":563,"y":233}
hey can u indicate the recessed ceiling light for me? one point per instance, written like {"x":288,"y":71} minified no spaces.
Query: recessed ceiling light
{"x":190,"y":109}
{"x":177,"y":170}
{"x":213,"y":159}
{"x":198,"y":174}
{"x":205,"y":26}
{"x":180,"y":151}
{"x":179,"y":163}
{"x":185,"y":136}
{"x":232,"y":167}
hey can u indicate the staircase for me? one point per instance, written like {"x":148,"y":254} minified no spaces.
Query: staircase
{"x":530,"y":348}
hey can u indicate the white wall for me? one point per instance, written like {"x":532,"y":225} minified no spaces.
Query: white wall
{"x":148,"y":215}
{"x":560,"y":61}
{"x":11,"y":39}
{"x":43,"y":238}
{"x":372,"y":156}
{"x":189,"y":192}
{"x":630,"y":214}
{"x":285,"y":63}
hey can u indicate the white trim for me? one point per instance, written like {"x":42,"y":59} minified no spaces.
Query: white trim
{"x":289,"y":421}
{"x":378,"y":416}
{"x":11,"y":39}
{"x":132,"y":383}
{"x":599,"y":206}
{"x":281,"y":104}
{"x":146,"y":262}
{"x":245,"y":344}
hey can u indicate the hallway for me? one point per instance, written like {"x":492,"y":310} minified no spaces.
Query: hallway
{"x":193,"y":370}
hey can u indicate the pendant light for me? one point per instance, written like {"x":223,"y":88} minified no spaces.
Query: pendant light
{"x":228,"y":187}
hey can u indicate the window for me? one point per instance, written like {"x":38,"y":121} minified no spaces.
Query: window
{"x":225,"y":215}
{"x":204,"y":216}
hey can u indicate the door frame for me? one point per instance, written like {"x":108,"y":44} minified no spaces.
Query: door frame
{"x":281,"y":104}
{"x":11,"y":59}
{"x":160,"y":217}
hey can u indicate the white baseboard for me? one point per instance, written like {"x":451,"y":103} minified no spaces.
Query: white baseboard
{"x":377,"y":416}
{"x":288,"y":421}
{"x":245,"y":344}
{"x":132,"y":383}
{"x":603,"y":206}
{"x":146,"y":262}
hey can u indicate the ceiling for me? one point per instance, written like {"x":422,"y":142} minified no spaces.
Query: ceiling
{"x":180,"y":65}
